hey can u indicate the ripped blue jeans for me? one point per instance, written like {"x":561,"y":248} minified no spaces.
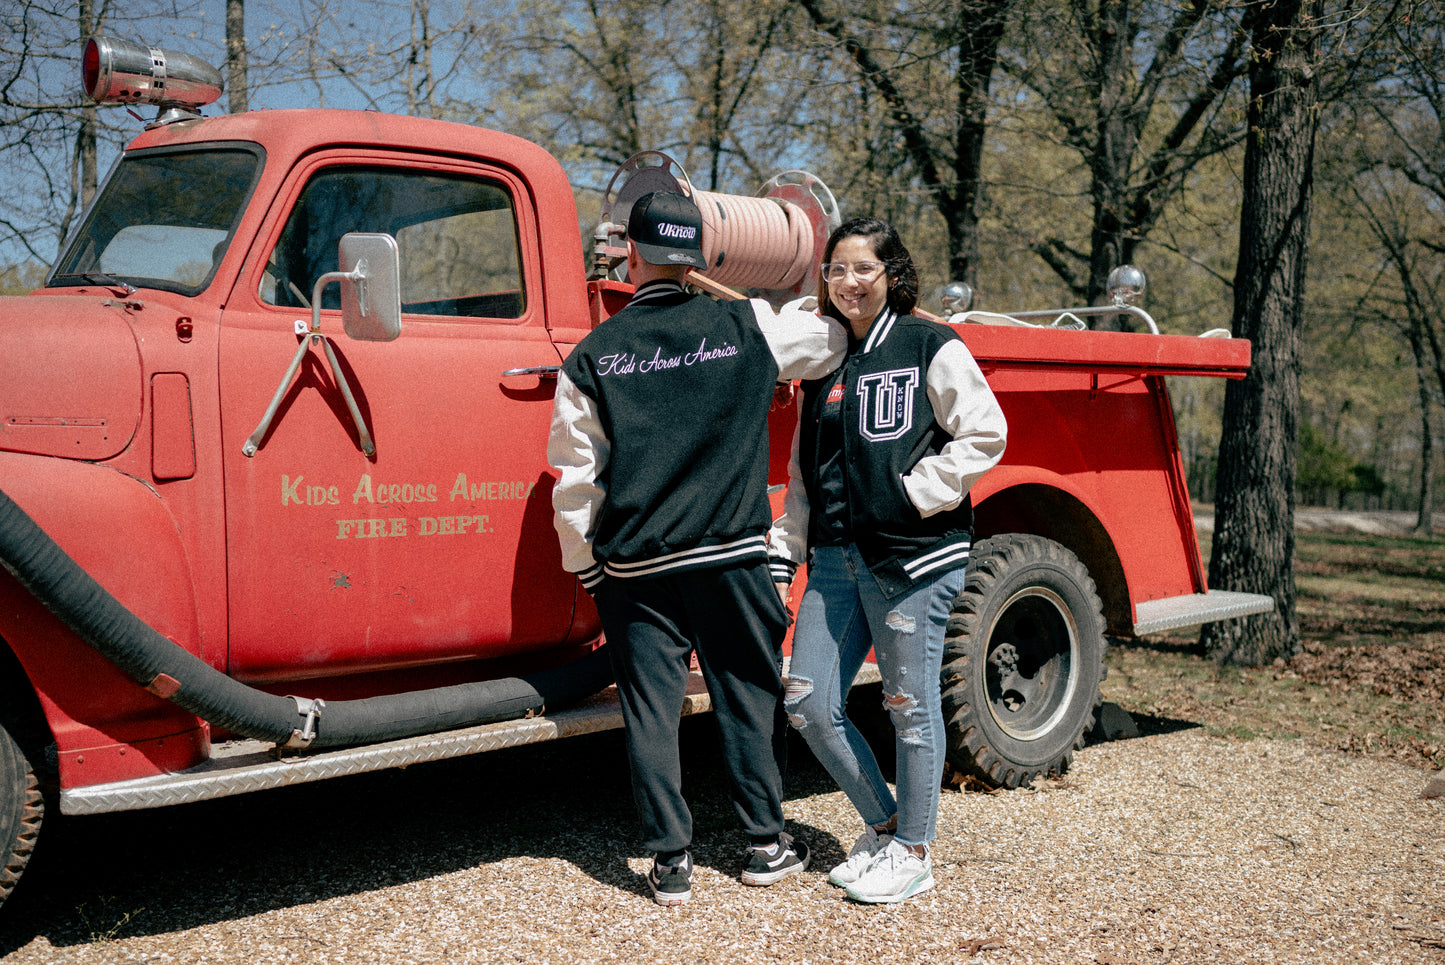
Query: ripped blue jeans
{"x":843,"y":614}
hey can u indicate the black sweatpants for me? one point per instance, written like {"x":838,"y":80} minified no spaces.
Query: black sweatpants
{"x":734,"y":620}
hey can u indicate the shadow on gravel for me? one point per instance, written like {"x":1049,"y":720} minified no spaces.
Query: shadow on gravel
{"x":150,"y":872}
{"x":1151,"y":726}
{"x":1147,"y":725}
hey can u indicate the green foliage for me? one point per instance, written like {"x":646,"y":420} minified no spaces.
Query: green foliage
{"x":22,"y":278}
{"x":1323,"y":465}
{"x":1367,"y":479}
{"x":1326,"y":468}
{"x":1376,"y":278}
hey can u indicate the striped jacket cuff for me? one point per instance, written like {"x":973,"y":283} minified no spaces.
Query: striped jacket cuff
{"x":946,"y":558}
{"x":591,"y":577}
{"x":698,"y":557}
{"x":782,"y":570}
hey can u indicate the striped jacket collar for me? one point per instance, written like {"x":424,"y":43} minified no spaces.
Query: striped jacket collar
{"x":658,"y":290}
{"x":879,"y":330}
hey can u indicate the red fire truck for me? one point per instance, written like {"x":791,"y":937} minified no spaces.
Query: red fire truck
{"x":274,"y":497}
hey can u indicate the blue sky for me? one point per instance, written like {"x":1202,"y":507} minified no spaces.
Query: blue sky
{"x":195,"y":27}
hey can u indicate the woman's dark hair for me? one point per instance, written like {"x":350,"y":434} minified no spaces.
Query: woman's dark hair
{"x":897,"y":262}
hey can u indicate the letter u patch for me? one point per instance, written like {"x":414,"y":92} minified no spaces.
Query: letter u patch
{"x":886,"y":410}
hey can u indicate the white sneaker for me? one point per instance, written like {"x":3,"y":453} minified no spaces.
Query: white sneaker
{"x":896,"y":874}
{"x":869,"y":843}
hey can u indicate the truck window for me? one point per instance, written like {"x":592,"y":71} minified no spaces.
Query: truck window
{"x":458,"y":239}
{"x":163,"y":220}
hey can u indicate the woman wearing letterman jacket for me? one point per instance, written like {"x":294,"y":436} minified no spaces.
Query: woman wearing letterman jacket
{"x":877,"y":505}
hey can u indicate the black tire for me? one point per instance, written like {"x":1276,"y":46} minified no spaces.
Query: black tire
{"x":1022,"y":661}
{"x":22,"y":807}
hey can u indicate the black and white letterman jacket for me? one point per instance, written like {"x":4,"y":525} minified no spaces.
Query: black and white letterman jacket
{"x":659,"y":431}
{"x":920,"y":426}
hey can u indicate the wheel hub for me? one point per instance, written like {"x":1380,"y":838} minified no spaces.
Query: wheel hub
{"x":1033,"y":656}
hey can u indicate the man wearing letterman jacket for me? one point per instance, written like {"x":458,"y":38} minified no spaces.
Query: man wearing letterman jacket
{"x":659,"y":433}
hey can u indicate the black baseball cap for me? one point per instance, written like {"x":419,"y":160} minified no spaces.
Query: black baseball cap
{"x":667,"y":229}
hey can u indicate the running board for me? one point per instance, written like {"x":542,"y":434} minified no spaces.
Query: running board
{"x":241,"y":766}
{"x":1174,"y":612}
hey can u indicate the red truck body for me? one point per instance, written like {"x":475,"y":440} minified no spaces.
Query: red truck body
{"x":311,"y":567}
{"x":122,"y":437}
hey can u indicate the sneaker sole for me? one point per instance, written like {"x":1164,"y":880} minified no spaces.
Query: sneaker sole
{"x":917,"y":887}
{"x":763,"y":879}
{"x":671,"y":899}
{"x":772,"y":877}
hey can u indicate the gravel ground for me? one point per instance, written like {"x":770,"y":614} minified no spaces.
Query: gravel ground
{"x":1175,"y":847}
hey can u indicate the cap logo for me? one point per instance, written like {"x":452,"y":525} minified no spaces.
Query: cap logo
{"x":667,"y":229}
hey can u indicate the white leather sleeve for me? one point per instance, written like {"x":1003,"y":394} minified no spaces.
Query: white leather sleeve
{"x":578,"y":449}
{"x":964,"y":405}
{"x":805,"y":345}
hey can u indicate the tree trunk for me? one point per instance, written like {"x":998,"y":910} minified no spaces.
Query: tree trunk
{"x":236,"y":82}
{"x":1253,"y":546}
{"x":85,"y":143}
{"x":979,"y":31}
{"x":1424,"y":522}
{"x":1110,"y":164}
{"x":421,"y":83}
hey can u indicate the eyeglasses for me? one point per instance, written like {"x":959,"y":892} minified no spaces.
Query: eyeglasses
{"x":863,"y":271}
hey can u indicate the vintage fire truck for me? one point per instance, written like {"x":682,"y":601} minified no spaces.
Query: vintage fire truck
{"x":274,"y":497}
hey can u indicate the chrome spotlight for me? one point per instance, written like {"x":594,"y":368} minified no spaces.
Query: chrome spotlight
{"x":1125,"y":284}
{"x":955,"y":296}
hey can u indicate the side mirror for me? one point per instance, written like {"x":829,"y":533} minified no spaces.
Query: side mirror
{"x":370,"y":278}
{"x":371,"y":297}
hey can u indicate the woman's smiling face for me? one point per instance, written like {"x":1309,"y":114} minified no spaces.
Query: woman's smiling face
{"x":858,"y":299}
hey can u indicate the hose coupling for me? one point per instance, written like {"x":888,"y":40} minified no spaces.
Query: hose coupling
{"x":310,"y":709}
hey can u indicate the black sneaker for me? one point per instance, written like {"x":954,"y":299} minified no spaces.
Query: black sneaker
{"x":767,"y":866}
{"x":671,"y":884}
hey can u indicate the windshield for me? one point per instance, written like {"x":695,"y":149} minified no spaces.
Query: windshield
{"x":163,"y":220}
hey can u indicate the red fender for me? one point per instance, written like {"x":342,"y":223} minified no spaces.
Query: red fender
{"x":105,"y":726}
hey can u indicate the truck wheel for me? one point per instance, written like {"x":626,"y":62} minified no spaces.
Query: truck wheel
{"x":1022,"y":661}
{"x":21,"y":809}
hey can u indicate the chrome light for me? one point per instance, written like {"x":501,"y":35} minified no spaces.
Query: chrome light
{"x":1125,"y":284}
{"x":120,"y":72}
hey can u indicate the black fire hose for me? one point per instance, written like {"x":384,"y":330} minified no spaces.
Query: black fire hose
{"x":168,"y":670}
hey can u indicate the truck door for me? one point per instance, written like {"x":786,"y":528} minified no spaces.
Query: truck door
{"x":440,"y":546}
